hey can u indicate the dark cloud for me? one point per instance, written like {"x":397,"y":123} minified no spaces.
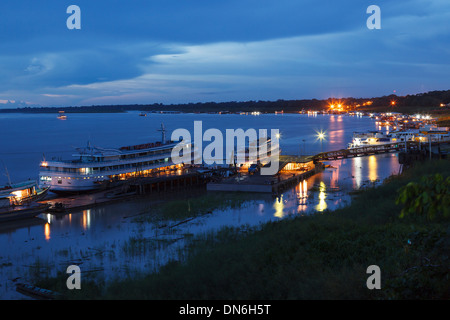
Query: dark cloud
{"x":201,"y":49}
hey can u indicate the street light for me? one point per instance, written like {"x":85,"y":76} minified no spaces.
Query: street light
{"x":321,"y":136}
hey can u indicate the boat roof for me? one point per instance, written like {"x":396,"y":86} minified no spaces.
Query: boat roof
{"x":105,"y":152}
{"x":19,"y":185}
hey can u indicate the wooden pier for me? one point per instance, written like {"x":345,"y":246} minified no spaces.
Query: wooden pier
{"x":291,"y":171}
{"x":364,"y":151}
{"x":409,"y":146}
{"x":130,"y":189}
{"x":149,"y":185}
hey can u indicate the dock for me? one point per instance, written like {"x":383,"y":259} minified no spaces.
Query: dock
{"x":408,"y":147}
{"x":291,"y":171}
{"x":130,"y":189}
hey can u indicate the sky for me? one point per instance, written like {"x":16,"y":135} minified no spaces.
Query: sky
{"x":181,"y":51}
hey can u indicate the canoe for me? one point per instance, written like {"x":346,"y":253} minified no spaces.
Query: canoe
{"x":36,"y":292}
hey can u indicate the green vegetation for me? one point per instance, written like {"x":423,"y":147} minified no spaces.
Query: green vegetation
{"x":431,"y":196}
{"x":194,"y":206}
{"x":323,"y":256}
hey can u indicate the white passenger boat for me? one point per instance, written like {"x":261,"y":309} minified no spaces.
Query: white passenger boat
{"x":370,"y":138}
{"x":93,"y":167}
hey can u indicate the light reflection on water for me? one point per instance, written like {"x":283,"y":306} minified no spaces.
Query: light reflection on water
{"x":99,"y":238}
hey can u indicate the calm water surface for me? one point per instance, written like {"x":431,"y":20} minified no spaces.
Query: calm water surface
{"x":107,"y":241}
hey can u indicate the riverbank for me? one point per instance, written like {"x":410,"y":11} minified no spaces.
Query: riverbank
{"x":322,"y":256}
{"x":427,"y":102}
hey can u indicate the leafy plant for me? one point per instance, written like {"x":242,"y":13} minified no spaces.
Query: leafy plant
{"x":430,"y":197}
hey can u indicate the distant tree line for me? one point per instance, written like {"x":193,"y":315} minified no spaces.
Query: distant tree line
{"x":429,"y":100}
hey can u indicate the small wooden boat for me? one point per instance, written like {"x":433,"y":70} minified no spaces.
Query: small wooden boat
{"x":21,"y":193}
{"x":22,"y":212}
{"x":57,"y":207}
{"x":36,"y":292}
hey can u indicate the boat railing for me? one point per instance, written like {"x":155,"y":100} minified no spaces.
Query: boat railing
{"x":104,"y":163}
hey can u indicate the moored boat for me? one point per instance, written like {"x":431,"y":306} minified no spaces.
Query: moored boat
{"x":27,"y":211}
{"x":95,"y":168}
{"x":62,"y":116}
{"x":21,"y":193}
{"x":36,"y":292}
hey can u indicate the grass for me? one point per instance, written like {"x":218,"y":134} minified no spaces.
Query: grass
{"x":323,"y":256}
{"x":176,"y":210}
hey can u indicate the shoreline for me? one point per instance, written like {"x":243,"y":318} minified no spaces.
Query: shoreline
{"x":234,"y":246}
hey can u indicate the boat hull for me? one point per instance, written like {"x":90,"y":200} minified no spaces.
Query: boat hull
{"x":22,"y":212}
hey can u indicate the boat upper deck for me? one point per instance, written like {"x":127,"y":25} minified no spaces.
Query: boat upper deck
{"x":95,"y":156}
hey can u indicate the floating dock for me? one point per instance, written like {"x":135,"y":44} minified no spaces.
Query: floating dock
{"x":292,"y":170}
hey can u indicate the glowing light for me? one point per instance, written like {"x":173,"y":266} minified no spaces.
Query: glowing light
{"x":393,"y":103}
{"x":321,"y":135}
{"x":357,"y":172}
{"x":322,"y":205}
{"x":305,"y":189}
{"x":86,"y":219}
{"x":373,"y":168}
{"x":19,"y":194}
{"x":279,"y":207}
{"x":47,"y":231}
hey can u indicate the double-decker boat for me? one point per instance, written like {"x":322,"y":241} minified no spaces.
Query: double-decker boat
{"x":18,"y":200}
{"x":94,"y":167}
{"x":369,"y":138}
{"x":16,"y":194}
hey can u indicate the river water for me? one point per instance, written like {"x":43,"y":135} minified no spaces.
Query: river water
{"x":108,"y":241}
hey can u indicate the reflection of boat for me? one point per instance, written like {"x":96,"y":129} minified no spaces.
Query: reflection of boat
{"x":62,"y":116}
{"x":15,"y":194}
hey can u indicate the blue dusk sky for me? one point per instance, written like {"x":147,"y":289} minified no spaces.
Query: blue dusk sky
{"x":180,"y":51}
